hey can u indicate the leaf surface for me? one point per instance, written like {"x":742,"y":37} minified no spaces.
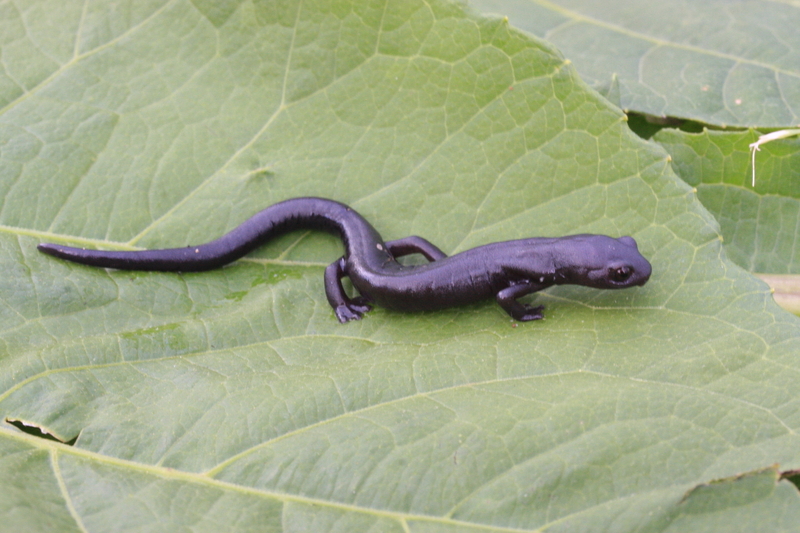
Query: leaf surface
{"x":716,"y":62}
{"x":234,"y":399}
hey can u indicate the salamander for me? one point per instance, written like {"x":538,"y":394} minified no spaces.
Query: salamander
{"x":504,"y":270}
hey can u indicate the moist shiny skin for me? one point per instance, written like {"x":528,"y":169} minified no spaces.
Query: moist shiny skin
{"x":503,"y":270}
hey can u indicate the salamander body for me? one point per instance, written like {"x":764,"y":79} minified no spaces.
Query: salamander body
{"x":503,"y":270}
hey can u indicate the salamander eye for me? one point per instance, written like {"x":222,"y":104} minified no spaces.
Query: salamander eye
{"x":620,"y":274}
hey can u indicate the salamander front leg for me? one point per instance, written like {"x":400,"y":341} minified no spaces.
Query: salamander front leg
{"x":415,"y":245}
{"x":346,"y":309}
{"x":507,"y":298}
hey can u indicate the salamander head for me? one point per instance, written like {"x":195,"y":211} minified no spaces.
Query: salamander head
{"x":604,"y":262}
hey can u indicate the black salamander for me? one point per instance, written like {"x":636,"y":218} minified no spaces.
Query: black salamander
{"x":505,"y":270}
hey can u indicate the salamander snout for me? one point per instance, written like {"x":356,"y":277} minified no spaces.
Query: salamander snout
{"x":629,"y":268}
{"x":618,"y":264}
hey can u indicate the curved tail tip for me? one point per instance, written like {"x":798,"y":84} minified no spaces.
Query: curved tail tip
{"x":55,"y":250}
{"x":46,"y":247}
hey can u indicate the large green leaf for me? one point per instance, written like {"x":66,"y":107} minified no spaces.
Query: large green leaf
{"x":234,"y":400}
{"x":717,"y":62}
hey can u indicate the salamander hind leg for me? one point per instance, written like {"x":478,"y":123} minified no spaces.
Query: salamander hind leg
{"x":415,"y":245}
{"x":346,"y":309}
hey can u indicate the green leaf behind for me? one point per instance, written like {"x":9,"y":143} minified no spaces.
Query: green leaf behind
{"x":759,"y":225}
{"x":716,"y":62}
